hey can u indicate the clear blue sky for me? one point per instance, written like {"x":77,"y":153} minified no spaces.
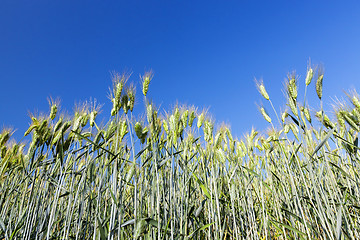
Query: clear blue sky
{"x":205,"y":53}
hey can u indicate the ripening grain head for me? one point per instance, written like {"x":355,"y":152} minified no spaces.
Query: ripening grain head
{"x":261,"y":88}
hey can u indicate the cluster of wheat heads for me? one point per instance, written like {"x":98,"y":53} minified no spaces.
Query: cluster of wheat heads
{"x":175,"y":176}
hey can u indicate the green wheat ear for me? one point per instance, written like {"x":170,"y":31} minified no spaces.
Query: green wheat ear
{"x":119,"y":81}
{"x":5,"y":136}
{"x":124,"y":103}
{"x":123,"y":129}
{"x":138,"y":129}
{"x":265,"y":114}
{"x":307,"y":114}
{"x":261,"y":88}
{"x":54,"y":105}
{"x":319,"y":83}
{"x":191,"y":118}
{"x":292,"y":86}
{"x":146,"y":79}
{"x":354,"y":98}
{"x":201,"y":119}
{"x":309,"y":76}
{"x":131,"y":92}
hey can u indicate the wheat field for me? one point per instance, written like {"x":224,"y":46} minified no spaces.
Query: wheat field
{"x":180,"y":175}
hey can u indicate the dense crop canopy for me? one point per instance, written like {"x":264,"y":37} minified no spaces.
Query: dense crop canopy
{"x":179,"y":176}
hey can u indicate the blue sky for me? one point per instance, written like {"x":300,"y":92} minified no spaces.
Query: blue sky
{"x":202,"y":53}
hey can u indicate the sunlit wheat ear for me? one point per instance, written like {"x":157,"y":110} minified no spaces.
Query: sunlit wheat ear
{"x":177,"y":114}
{"x":93,"y":115}
{"x":138,"y":129}
{"x":5,"y":136}
{"x":119,"y":81}
{"x":3,"y":152}
{"x":250,"y":140}
{"x":141,"y":132}
{"x":291,"y":86}
{"x":324,"y":119}
{"x":265,"y":114}
{"x":356,"y":115}
{"x":354,"y":99}
{"x":208,"y":130}
{"x":130,"y":172}
{"x":131,"y":92}
{"x":76,"y":124}
{"x":294,"y":129}
{"x":84,"y":119}
{"x":284,"y":115}
{"x":349,"y":118}
{"x":264,"y":144}
{"x":94,"y":111}
{"x":292,"y":104}
{"x":111,"y":129}
{"x":319,"y":82}
{"x":220,"y":136}
{"x":144,"y":135}
{"x":286,"y":128}
{"x":307,"y":114}
{"x":35,"y":123}
{"x":149,"y":112}
{"x":184,"y":118}
{"x":53,"y":111}
{"x":340,"y":118}
{"x":339,"y":107}
{"x":309,"y":76}
{"x":54,"y":105}
{"x":124,"y":103}
{"x":81,"y":110}
{"x":192,"y":117}
{"x":30,"y":129}
{"x":146,"y":79}
{"x":61,"y":128}
{"x":261,"y":88}
{"x":165,"y":126}
{"x":241,"y":149}
{"x":228,"y":138}
{"x":218,"y":140}
{"x":201,"y":119}
{"x":123,"y":129}
{"x":157,"y":123}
